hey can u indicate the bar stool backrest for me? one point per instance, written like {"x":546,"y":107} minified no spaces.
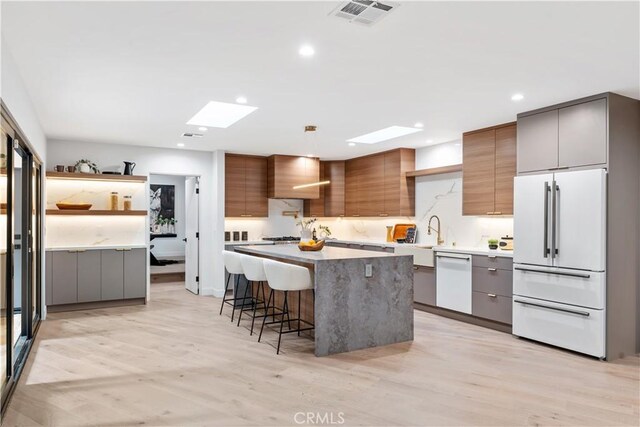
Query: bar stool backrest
{"x":287,"y":277}
{"x":232,"y":262}
{"x":253,"y":268}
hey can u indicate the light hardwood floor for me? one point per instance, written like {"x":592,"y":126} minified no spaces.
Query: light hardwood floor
{"x":177,"y":362}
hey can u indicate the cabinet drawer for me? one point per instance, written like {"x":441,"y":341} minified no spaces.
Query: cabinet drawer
{"x":491,"y":306}
{"x":567,"y":326}
{"x":493,"y":261}
{"x":424,"y":285}
{"x":491,"y":280}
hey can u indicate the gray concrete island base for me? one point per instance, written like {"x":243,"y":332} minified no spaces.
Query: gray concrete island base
{"x":351,"y":311}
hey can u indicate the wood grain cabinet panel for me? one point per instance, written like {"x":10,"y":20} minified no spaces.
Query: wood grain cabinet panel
{"x":488,"y":170}
{"x":505,"y":169}
{"x":245,"y":186}
{"x":377,"y":185}
{"x":256,"y":201}
{"x":316,"y":207}
{"x":286,"y":172}
{"x":334,"y":193}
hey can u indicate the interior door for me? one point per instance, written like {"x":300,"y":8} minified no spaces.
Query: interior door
{"x":531,"y":219}
{"x":580,"y":219}
{"x":192,"y":236}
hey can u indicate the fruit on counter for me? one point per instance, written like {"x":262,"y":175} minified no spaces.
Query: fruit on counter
{"x":310,"y":242}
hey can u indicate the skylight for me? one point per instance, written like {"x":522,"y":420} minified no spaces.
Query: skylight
{"x":384,"y":134}
{"x":220,"y":114}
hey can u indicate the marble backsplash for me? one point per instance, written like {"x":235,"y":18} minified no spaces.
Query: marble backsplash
{"x":81,"y":231}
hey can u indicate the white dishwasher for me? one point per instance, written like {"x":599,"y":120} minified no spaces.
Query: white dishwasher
{"x":453,"y":281}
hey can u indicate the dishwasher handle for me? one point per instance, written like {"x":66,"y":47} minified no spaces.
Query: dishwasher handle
{"x":465,"y":258}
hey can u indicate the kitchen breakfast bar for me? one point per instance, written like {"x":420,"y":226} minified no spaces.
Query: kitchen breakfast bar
{"x":362,"y":298}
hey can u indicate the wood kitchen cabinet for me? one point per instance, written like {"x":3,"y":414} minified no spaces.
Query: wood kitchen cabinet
{"x":376,"y":185}
{"x":331,"y":202}
{"x":488,"y":170}
{"x":286,"y":172}
{"x":570,"y":135}
{"x":245,"y":186}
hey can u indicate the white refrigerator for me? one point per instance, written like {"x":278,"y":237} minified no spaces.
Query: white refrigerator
{"x":559,"y":277}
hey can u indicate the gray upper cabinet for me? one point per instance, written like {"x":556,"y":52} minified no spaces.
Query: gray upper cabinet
{"x":582,"y":132}
{"x":566,"y":137}
{"x":64,"y":277}
{"x":89,"y":280}
{"x":135,"y":274}
{"x":112,"y":286}
{"x":537,"y":142}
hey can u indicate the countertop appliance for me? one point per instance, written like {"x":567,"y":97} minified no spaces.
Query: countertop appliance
{"x":506,"y":243}
{"x":559,"y":277}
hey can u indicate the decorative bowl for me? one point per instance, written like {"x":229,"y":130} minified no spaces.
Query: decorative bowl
{"x":74,"y":206}
{"x":312,"y":248}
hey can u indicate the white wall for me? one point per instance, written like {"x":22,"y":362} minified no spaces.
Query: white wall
{"x":166,"y":162}
{"x":172,"y":246}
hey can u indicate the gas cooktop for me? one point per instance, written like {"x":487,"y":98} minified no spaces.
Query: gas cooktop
{"x":282,"y":239}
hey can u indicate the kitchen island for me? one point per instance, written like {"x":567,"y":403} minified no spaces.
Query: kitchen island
{"x":352,"y":311}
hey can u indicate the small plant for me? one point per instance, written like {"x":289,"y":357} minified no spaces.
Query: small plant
{"x":324,"y":229}
{"x":84,"y":164}
{"x":305,"y":224}
{"x":493,"y":243}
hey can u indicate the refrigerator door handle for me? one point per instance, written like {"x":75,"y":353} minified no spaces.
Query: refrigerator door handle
{"x":564,"y":310}
{"x":554,"y":218}
{"x":558,"y":273}
{"x":547,"y":190}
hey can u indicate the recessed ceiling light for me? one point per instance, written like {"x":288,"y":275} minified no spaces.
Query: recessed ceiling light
{"x":418,"y":125}
{"x":306,"y":51}
{"x":384,"y":134}
{"x":220,"y":114}
{"x":241,"y":100}
{"x":352,"y":144}
{"x":517,"y":97}
{"x":180,"y":144}
{"x":202,"y":129}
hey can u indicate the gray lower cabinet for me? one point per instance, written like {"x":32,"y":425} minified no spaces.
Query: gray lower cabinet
{"x":89,"y":269}
{"x":112,"y":277}
{"x":424,"y":285}
{"x":491,"y":306}
{"x":64,"y":277}
{"x":48,"y":277}
{"x":135,"y":278}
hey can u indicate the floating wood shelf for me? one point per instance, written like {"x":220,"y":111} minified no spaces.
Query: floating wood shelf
{"x":435,"y":171}
{"x":95,"y":212}
{"x":96,"y":177}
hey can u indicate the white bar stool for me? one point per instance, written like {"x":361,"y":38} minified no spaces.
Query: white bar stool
{"x":233,"y":264}
{"x":254,"y":272}
{"x":286,"y":277}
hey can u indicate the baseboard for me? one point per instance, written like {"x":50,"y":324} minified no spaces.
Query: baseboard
{"x":94,"y":305}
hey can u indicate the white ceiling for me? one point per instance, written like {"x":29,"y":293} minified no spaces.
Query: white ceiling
{"x":135,"y":72}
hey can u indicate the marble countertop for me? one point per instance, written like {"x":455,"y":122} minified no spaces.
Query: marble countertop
{"x":328,"y":253}
{"x":87,"y":248}
{"x":373,"y":243}
{"x":474,"y":251}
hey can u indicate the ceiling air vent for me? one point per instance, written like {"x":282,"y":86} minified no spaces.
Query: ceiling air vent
{"x":192,"y":135}
{"x":366,"y":12}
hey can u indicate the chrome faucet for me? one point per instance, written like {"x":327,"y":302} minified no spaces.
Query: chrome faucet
{"x":429,"y":228}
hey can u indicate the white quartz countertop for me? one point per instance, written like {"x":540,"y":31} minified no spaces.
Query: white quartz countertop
{"x":328,"y":253}
{"x":373,"y":243}
{"x":87,"y":248}
{"x":474,"y":251}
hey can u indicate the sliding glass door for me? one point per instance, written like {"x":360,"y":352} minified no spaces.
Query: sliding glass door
{"x":20,"y":253}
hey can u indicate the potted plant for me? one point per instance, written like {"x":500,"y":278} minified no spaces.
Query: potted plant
{"x":172,"y":223}
{"x":86,"y":166}
{"x":493,"y":243}
{"x":324,"y":231}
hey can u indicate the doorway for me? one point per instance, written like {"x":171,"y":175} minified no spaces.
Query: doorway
{"x":20,"y":252}
{"x":174,"y":231}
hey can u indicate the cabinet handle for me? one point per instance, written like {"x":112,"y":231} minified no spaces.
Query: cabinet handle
{"x":497,"y":213}
{"x":81,"y":250}
{"x":492,"y":295}
{"x":492,"y":269}
{"x":245,"y":215}
{"x":123,"y":249}
{"x":559,"y":273}
{"x":383,"y":214}
{"x":73,"y":252}
{"x":490,"y":213}
{"x":492,"y":256}
{"x":564,"y":310}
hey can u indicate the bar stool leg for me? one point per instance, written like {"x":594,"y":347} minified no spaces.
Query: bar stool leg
{"x":282,"y":321}
{"x":224,"y":296}
{"x":299,"y":313}
{"x":244,"y":299}
{"x":266,"y":314}
{"x":255,"y":306}
{"x":235,"y":297}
